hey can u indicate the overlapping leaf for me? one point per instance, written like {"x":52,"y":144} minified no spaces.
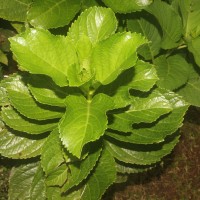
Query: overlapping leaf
{"x":22,"y":100}
{"x":115,"y":54}
{"x":14,"y":10}
{"x":19,"y":146}
{"x":27,"y":182}
{"x":194,"y":48}
{"x":53,"y":14}
{"x":169,"y":21}
{"x":147,"y":26}
{"x":173,"y":71}
{"x":141,"y":154}
{"x":127,"y":6}
{"x":84,"y":121}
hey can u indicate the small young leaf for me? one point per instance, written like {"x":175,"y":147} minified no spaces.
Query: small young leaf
{"x":84,"y":121}
{"x":20,"y":123}
{"x":53,"y":14}
{"x":20,"y":146}
{"x":115,"y":54}
{"x":97,"y":23}
{"x":141,"y":154}
{"x":172,"y":71}
{"x":14,"y":10}
{"x":52,"y":155}
{"x":22,"y":100}
{"x":27,"y":182}
{"x":169,"y":21}
{"x":127,"y":6}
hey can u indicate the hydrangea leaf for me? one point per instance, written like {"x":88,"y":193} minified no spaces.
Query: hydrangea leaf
{"x":146,"y":25}
{"x":157,"y":131}
{"x":172,"y":71}
{"x":191,"y":90}
{"x":3,"y":58}
{"x":27,"y":182}
{"x":127,"y":6}
{"x":145,"y":109}
{"x":52,"y":14}
{"x":45,"y":55}
{"x":141,"y":154}
{"x":84,"y":121}
{"x":97,"y":23}
{"x":79,"y":170}
{"x":194,"y":48}
{"x":19,"y":146}
{"x":115,"y":54}
{"x":14,"y":10}
{"x":20,"y":123}
{"x":46,"y":91}
{"x":22,"y":100}
{"x":169,"y":21}
{"x":52,"y":155}
{"x":57,"y":177}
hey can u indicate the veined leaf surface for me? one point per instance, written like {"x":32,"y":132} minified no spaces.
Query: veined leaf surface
{"x":85,"y":121}
{"x":52,"y":14}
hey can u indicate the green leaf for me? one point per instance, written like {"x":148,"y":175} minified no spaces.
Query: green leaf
{"x":52,"y":155}
{"x":127,"y":6}
{"x":22,"y":100}
{"x":102,"y":177}
{"x":191,"y":91}
{"x":20,"y":123}
{"x":145,"y":109}
{"x":45,"y":55}
{"x":141,"y":154}
{"x":115,"y":54}
{"x":46,"y":91}
{"x":194,"y":48}
{"x":157,"y":131}
{"x":58,"y":176}
{"x":3,"y":58}
{"x":81,"y":169}
{"x":52,"y":14}
{"x":84,"y":121}
{"x":14,"y":10}
{"x":172,"y":71}
{"x":169,"y":21}
{"x":19,"y":146}
{"x":147,"y":26}
{"x":97,"y":23}
{"x":27,"y":182}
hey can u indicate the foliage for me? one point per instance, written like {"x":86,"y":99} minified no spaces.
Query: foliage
{"x":96,"y":99}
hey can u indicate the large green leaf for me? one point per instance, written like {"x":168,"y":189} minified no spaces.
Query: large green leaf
{"x":14,"y":10}
{"x":146,"y":25}
{"x":45,"y":55}
{"x":46,"y":91}
{"x":115,"y":54}
{"x":20,"y":123}
{"x":157,"y":131}
{"x":172,"y":71}
{"x":127,"y":6}
{"x":84,"y":121}
{"x":27,"y":182}
{"x":53,"y":14}
{"x":191,"y":90}
{"x":97,"y":23}
{"x":22,"y":100}
{"x":141,"y":154}
{"x":52,"y":155}
{"x":194,"y":48}
{"x":79,"y":170}
{"x":19,"y":146}
{"x":145,"y":109}
{"x":169,"y":21}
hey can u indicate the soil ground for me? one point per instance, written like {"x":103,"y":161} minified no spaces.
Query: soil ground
{"x":177,"y":179}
